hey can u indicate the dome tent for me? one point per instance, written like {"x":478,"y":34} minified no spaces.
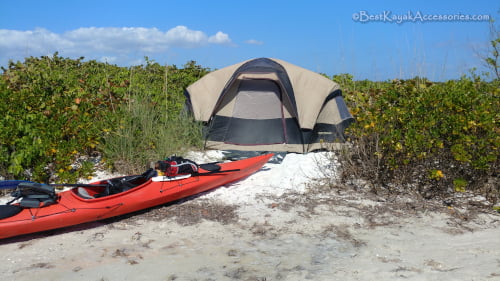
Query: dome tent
{"x":269,"y":105}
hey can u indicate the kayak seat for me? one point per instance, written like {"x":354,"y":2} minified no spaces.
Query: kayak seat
{"x":82,"y":192}
{"x":118,"y":185}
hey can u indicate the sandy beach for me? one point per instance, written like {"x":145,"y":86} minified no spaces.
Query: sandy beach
{"x":274,"y":225}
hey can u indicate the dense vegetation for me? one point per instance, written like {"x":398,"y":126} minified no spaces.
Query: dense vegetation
{"x":59,"y":114}
{"x":431,"y":137}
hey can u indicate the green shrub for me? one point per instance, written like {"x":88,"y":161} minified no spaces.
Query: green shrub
{"x":53,"y":112}
{"x":435,"y":136}
{"x":57,"y":110}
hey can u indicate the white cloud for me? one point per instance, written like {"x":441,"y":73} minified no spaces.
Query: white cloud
{"x":120,"y":40}
{"x":220,"y":38}
{"x":181,"y":36}
{"x":103,"y":42}
{"x":254,"y":42}
{"x":38,"y":41}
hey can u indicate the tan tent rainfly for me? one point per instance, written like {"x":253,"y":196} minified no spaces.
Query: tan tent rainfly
{"x":269,"y":105}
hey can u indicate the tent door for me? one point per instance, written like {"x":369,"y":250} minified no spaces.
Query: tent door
{"x":257,"y":116}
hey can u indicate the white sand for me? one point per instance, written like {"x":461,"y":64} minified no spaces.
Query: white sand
{"x":282,"y":232}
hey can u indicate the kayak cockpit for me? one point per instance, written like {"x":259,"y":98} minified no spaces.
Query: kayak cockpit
{"x":113,"y":186}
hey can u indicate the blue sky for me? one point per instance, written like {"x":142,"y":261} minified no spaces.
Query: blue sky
{"x":319,"y":35}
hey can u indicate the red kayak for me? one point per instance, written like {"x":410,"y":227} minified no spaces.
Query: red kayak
{"x":87,"y":203}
